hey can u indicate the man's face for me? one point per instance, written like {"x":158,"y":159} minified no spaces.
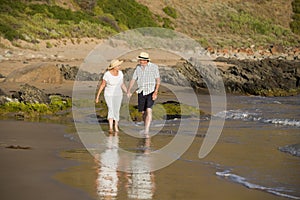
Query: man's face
{"x":143,"y":62}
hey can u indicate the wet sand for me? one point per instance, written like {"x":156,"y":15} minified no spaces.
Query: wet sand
{"x":42,"y":163}
{"x":30,"y":158}
{"x":190,"y":177}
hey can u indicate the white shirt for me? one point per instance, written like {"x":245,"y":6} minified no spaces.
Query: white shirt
{"x":146,"y":77}
{"x":113,"y":84}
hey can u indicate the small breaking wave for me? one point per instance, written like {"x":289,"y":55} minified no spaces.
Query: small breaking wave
{"x":243,"y":181}
{"x":251,"y":116}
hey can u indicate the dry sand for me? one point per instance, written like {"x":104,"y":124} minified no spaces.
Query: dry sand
{"x":67,"y":53}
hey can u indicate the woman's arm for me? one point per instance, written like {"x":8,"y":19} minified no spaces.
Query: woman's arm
{"x":131,"y":83}
{"x":102,"y":86}
{"x":123,"y":86}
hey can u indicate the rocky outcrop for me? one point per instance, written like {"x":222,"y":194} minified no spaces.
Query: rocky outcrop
{"x":74,"y":73}
{"x":293,"y":149}
{"x":268,"y":77}
{"x":68,"y":72}
{"x":3,"y":97}
{"x":39,"y":73}
{"x":273,"y":77}
{"x":169,"y":75}
{"x":31,"y":94}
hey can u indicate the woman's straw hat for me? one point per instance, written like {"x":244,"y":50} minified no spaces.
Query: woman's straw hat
{"x":143,"y":56}
{"x":114,"y":63}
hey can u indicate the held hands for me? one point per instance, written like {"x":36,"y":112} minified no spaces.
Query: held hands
{"x":129,"y":94}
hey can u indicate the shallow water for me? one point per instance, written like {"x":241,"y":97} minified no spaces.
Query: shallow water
{"x":244,"y":164}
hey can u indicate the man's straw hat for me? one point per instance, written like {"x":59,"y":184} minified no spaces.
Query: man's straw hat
{"x":143,"y":56}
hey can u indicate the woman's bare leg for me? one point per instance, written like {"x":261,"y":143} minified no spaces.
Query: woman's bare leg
{"x":110,"y":122}
{"x":116,"y":126}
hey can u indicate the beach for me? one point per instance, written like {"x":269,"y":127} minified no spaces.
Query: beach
{"x":244,"y":164}
{"x":42,"y":160}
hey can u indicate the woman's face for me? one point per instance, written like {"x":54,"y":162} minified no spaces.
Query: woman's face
{"x":117,"y":67}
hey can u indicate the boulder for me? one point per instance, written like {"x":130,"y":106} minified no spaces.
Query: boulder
{"x":31,"y":94}
{"x":36,"y":73}
{"x":68,"y":72}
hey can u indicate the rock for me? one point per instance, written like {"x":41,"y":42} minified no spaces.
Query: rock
{"x":8,"y":53}
{"x":269,"y":77}
{"x":31,"y":94}
{"x":4,"y":99}
{"x":39,"y":73}
{"x":253,"y":77}
{"x":278,"y":49}
{"x":2,"y":93}
{"x":74,"y":73}
{"x":69,"y":73}
{"x":172,"y":76}
{"x":293,"y":149}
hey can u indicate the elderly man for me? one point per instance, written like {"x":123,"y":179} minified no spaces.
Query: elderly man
{"x":147,"y":76}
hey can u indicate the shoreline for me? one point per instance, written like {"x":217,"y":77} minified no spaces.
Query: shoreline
{"x":30,"y":160}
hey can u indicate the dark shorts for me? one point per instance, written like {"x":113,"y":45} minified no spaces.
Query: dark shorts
{"x":145,"y":102}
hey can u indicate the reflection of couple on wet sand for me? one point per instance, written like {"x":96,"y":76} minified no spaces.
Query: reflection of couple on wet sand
{"x":139,"y":183}
{"x":146,"y":74}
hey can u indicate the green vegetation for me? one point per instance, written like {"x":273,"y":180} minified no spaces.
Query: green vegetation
{"x":160,"y":111}
{"x":31,"y":22}
{"x":258,"y":29}
{"x":167,"y":23}
{"x":243,"y":22}
{"x":128,"y":12}
{"x":35,"y":110}
{"x":170,"y":11}
{"x":295,"y":24}
{"x":222,"y":25}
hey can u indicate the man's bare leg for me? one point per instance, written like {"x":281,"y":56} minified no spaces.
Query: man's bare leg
{"x":148,"y":119}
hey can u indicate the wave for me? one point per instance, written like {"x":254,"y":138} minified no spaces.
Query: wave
{"x":251,"y":116}
{"x":243,"y":181}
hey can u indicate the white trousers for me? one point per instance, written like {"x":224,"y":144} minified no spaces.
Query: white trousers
{"x":113,"y":104}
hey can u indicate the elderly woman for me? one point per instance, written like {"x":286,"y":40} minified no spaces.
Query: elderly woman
{"x":113,"y":84}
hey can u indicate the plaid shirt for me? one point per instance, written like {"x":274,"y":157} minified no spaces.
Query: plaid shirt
{"x":146,"y":77}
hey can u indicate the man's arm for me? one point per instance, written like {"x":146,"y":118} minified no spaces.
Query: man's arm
{"x":155,"y":93}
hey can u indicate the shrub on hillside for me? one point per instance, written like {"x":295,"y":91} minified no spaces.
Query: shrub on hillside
{"x":170,"y":11}
{"x":295,"y":24}
{"x":128,"y":12}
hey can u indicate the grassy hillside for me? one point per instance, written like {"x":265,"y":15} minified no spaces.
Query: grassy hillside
{"x":218,"y":23}
{"x":233,"y":22}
